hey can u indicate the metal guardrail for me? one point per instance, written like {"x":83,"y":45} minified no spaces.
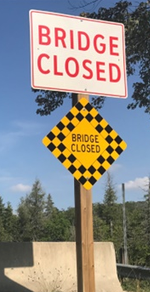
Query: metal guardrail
{"x":134,"y":272}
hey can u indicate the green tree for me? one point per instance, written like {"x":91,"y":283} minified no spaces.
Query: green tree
{"x":24,"y":221}
{"x":2,"y":231}
{"x":112,"y":214}
{"x":146,"y":225}
{"x":70,"y":216}
{"x":147,"y":211}
{"x":2,"y":210}
{"x":137,"y":244}
{"x":8,"y":222}
{"x":31,"y":213}
{"x":54,"y":222}
{"x":110,"y":199}
{"x":100,"y":229}
{"x":57,"y":228}
{"x":49,"y":206}
{"x":36,"y":204}
{"x":137,"y":26}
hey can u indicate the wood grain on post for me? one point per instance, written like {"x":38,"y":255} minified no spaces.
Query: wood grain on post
{"x":84,"y":231}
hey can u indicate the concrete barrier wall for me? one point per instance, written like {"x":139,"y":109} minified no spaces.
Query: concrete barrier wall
{"x":50,"y":266}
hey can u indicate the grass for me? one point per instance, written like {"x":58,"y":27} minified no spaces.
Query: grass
{"x":135,"y":285}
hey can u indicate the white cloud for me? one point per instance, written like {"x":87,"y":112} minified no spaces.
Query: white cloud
{"x":139,"y":182}
{"x":20,"y":188}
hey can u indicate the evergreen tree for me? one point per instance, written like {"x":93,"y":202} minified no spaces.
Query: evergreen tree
{"x":137,"y":244}
{"x":2,"y":231}
{"x":110,"y":199}
{"x":8,"y":222}
{"x":100,"y":229}
{"x":31,"y":213}
{"x":36,"y":204}
{"x":2,"y":208}
{"x":147,"y":221}
{"x":49,"y":206}
{"x":147,"y":211}
{"x":24,"y":225}
{"x":70,"y":216}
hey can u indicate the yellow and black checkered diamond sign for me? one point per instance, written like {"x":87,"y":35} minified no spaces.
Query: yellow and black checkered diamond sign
{"x":84,"y":143}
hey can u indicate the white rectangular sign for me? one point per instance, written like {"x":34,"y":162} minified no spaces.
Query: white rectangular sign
{"x":76,"y":54}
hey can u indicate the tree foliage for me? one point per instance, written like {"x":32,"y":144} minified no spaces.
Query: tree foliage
{"x":38,"y":219}
{"x":110,"y":199}
{"x":8,"y":223}
{"x":30,"y":213}
{"x":48,"y":101}
{"x":49,"y":207}
{"x":58,"y":227}
{"x":137,"y":26}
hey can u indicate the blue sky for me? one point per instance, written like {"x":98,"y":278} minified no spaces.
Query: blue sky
{"x":23,"y":157}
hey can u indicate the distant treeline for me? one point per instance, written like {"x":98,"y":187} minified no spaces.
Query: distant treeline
{"x":37,"y":219}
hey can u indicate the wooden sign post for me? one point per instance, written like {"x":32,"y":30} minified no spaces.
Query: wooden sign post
{"x":84,"y":231}
{"x":86,"y":145}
